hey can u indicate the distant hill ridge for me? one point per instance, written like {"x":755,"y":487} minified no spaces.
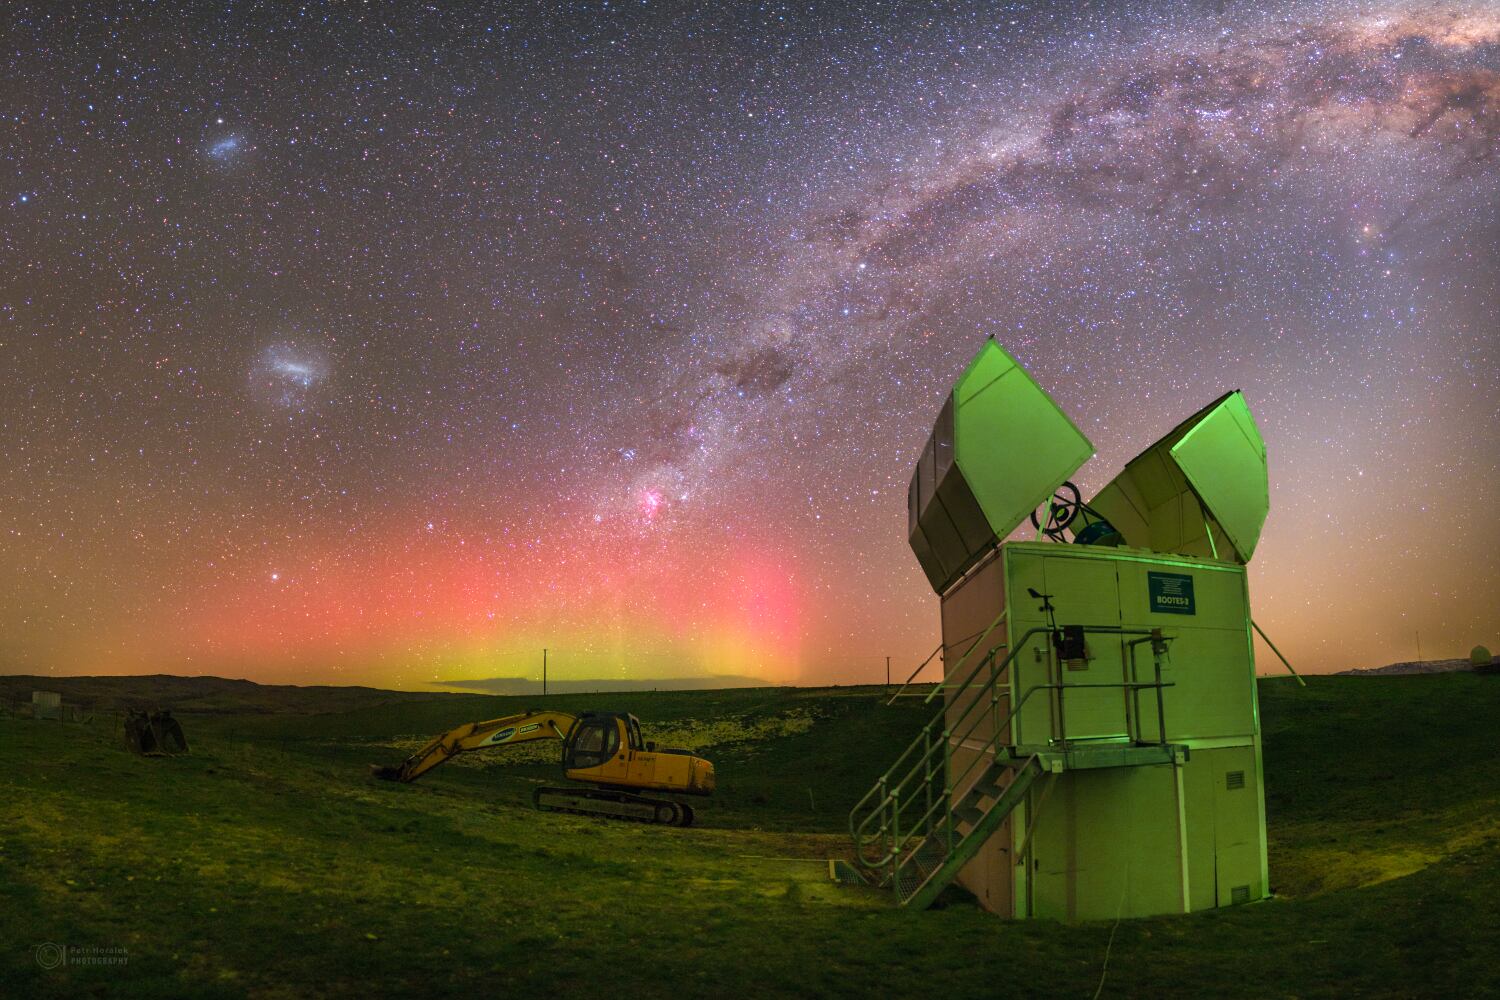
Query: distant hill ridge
{"x":219,"y":695}
{"x":202,"y":694}
{"x":526,"y":685}
{"x":1412,"y":667}
{"x":222,"y":695}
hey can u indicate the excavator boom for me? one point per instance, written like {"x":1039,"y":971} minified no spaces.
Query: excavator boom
{"x":505,"y":731}
{"x":604,"y":749}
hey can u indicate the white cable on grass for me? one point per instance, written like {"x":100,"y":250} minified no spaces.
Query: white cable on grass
{"x":1111,"y":944}
{"x":1105,"y":971}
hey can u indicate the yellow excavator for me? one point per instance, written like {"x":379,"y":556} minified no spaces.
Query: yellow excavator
{"x":604,"y":749}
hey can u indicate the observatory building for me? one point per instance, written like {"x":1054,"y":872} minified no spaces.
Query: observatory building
{"x":1097,"y":748}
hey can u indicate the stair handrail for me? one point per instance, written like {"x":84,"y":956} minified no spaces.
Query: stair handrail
{"x":881,"y":786}
{"x":907,"y":683}
{"x":1004,"y":615}
{"x":894,"y":799}
{"x":948,"y":864}
{"x":893,"y":796}
{"x":944,"y":803}
{"x":920,"y":821}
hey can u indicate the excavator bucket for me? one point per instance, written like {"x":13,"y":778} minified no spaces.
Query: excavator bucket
{"x":154,"y":733}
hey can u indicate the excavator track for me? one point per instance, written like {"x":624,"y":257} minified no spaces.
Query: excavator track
{"x":613,"y":805}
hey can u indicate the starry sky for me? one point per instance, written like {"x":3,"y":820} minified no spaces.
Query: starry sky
{"x":391,"y":343}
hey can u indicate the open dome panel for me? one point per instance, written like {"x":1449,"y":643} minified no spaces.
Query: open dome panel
{"x":1202,"y":490}
{"x":1000,"y":448}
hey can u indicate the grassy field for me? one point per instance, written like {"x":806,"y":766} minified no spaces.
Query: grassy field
{"x":268,"y":864}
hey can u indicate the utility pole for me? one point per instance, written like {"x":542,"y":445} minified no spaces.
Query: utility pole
{"x":887,"y":673}
{"x":544,"y":670}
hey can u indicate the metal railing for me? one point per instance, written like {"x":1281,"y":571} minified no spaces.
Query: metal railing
{"x":928,"y":781}
{"x":901,"y":691}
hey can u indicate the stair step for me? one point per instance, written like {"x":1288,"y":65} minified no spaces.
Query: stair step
{"x":990,"y":785}
{"x":974,"y":798}
{"x":986,"y":788}
{"x":911,"y":878}
{"x":921,"y":869}
{"x":929,"y":850}
{"x":919,"y":866}
{"x":914,"y":869}
{"x":981,"y":824}
{"x":927,"y":862}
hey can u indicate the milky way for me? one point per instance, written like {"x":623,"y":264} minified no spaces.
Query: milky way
{"x":617,"y":332}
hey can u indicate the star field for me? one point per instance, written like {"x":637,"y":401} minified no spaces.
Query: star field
{"x":389,"y":343}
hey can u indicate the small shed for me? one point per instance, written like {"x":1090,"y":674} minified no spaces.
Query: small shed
{"x":46,"y":704}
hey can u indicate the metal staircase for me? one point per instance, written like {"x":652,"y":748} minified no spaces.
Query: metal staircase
{"x":913,"y":835}
{"x":936,"y":860}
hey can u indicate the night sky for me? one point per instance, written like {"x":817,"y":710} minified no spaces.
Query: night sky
{"x":387,"y":343}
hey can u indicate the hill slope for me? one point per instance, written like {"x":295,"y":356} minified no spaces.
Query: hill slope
{"x":267,"y":864}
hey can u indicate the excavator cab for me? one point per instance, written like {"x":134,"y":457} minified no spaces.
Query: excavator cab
{"x":606,"y":748}
{"x":594,"y":741}
{"x":598,"y":736}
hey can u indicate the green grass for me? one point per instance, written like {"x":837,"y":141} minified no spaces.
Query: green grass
{"x":1374,"y":778}
{"x":268,"y":864}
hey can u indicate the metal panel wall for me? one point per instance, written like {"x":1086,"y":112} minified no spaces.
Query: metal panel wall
{"x":968,"y":610}
{"x":1133,"y":840}
{"x":1107,"y":844}
{"x":1185,"y":837}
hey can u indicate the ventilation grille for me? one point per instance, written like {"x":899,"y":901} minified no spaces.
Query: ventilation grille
{"x":1239,"y":894}
{"x":1234,"y":780}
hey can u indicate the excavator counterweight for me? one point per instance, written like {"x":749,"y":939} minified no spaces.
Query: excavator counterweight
{"x":154,"y":733}
{"x":600,"y":749}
